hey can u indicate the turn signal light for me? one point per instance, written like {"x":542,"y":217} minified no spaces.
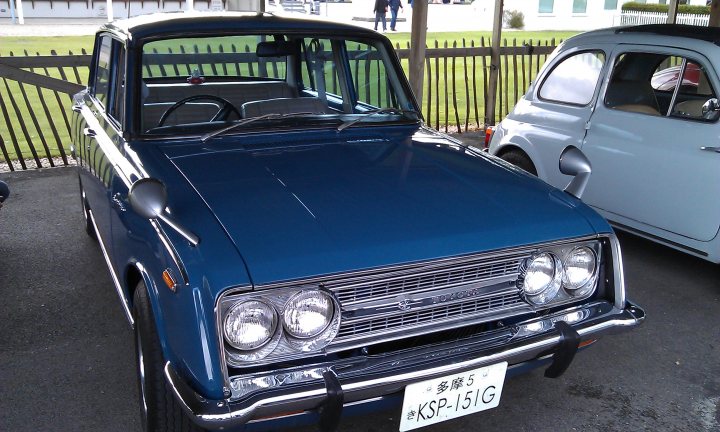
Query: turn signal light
{"x":169,"y":280}
{"x":489,"y":131}
{"x":587,"y":343}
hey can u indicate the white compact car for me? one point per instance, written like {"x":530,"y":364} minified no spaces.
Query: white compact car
{"x":641,"y":103}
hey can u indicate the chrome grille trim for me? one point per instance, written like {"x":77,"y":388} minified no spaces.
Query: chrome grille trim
{"x":404,"y":282}
{"x":440,"y":313}
{"x":496,"y":295}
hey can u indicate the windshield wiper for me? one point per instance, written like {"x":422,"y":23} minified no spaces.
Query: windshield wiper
{"x":271,"y":116}
{"x":367,"y":114}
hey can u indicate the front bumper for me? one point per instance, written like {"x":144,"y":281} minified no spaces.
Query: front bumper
{"x":359,"y":379}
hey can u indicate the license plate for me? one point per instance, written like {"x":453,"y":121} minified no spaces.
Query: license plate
{"x":452,"y":396}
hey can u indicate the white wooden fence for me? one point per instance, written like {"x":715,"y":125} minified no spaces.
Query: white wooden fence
{"x":636,"y":18}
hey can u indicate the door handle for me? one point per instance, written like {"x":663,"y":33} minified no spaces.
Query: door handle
{"x":89,"y":133}
{"x":711,"y":149}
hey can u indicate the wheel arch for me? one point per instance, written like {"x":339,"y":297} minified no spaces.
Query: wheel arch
{"x":133,"y":276}
{"x":521,"y":144}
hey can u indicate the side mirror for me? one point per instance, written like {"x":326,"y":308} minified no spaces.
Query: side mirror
{"x":573,"y":162}
{"x":148,"y":197}
{"x":711,"y":109}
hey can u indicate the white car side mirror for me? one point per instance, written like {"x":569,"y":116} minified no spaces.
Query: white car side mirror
{"x":573,"y":162}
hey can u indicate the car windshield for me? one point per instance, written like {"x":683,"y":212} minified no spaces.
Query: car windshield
{"x":207,"y":84}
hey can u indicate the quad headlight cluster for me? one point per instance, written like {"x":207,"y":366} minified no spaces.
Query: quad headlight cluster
{"x":278,"y":323}
{"x":560,"y":274}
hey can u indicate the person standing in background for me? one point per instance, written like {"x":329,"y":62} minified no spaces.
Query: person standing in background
{"x":380,"y":10}
{"x":395,"y":5}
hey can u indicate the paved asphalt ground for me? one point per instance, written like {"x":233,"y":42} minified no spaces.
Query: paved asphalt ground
{"x":66,"y":352}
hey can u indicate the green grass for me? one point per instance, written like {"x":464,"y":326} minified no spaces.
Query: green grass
{"x":440,"y":112}
{"x":43,"y":45}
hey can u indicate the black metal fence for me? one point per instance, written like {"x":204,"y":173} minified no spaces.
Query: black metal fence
{"x":35,"y":93}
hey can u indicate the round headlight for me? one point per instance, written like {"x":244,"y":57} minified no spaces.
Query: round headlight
{"x":308,"y":313}
{"x":579,"y":268}
{"x":539,"y":274}
{"x":250,"y":325}
{"x":542,"y":278}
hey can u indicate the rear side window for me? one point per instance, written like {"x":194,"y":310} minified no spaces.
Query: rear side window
{"x":101,"y":86}
{"x":575,"y":79}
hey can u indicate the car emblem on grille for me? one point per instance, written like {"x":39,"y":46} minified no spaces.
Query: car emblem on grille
{"x":404,"y":304}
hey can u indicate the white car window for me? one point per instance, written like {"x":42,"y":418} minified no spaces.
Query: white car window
{"x":574,"y":80}
{"x":647,"y":83}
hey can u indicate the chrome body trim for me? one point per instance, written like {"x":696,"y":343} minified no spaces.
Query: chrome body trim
{"x":128,"y":173}
{"x":676,"y":91}
{"x":171,"y":250}
{"x":113,"y":274}
{"x":373,"y":376}
{"x":618,"y":272}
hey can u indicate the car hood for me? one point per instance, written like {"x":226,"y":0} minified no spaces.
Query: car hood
{"x":298,"y":207}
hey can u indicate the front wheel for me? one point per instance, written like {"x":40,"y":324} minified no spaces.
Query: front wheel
{"x":520,"y":160}
{"x":160,"y":412}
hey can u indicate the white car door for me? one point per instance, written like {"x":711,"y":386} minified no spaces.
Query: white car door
{"x":645,"y":140}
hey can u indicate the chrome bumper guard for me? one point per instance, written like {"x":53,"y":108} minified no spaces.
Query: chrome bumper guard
{"x":373,"y":376}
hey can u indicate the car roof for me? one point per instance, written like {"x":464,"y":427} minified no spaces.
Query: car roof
{"x":185,"y":24}
{"x":653,"y":34}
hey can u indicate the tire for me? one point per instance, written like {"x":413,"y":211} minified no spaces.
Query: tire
{"x":159,"y":411}
{"x":89,"y":229}
{"x":520,"y":160}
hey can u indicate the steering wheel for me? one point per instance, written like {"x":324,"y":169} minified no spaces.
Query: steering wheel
{"x":226,"y":108}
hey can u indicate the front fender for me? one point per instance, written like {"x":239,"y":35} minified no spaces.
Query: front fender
{"x":185,"y":324}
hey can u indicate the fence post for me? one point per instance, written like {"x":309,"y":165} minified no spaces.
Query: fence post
{"x":672,"y":11}
{"x":714,"y":20}
{"x":416,"y":62}
{"x":494,"y":64}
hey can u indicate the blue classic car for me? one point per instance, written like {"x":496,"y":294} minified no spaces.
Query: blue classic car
{"x":291,"y":243}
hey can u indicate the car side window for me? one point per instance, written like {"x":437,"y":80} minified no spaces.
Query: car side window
{"x":660,"y":85}
{"x":630,"y":87}
{"x":574,"y":79}
{"x":117,"y":109}
{"x":103,"y":72}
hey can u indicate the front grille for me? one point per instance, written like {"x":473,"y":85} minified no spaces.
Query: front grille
{"x":425,"y":297}
{"x":488,"y":305}
{"x":444,"y":276}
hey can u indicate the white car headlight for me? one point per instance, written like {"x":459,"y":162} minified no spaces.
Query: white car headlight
{"x":579,"y":270}
{"x":308,"y":313}
{"x":543,"y":278}
{"x":250,"y":325}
